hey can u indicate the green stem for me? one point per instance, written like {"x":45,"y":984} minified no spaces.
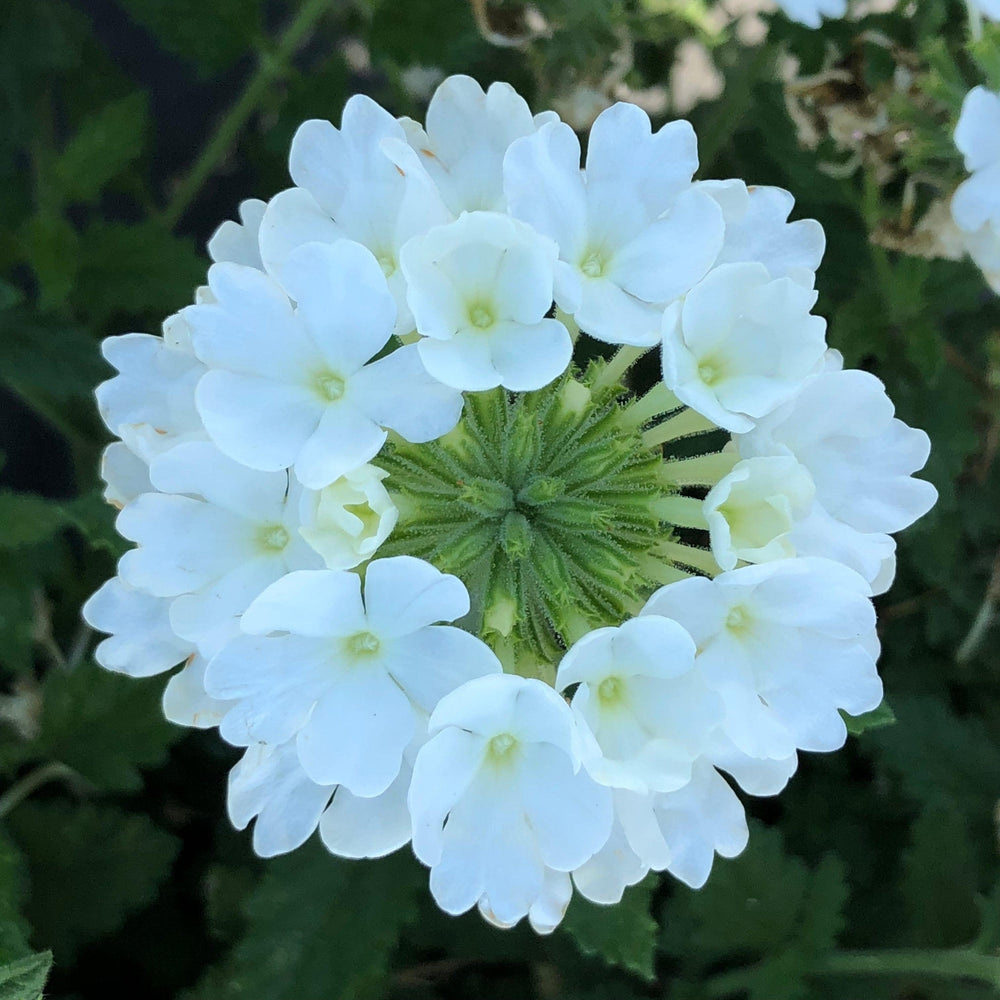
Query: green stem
{"x":702,"y":470}
{"x":615,"y":368}
{"x":689,"y":555}
{"x":270,"y":67}
{"x":683,"y":424}
{"x":958,"y":963}
{"x":54,"y":770}
{"x":658,"y":400}
{"x":684,"y":512}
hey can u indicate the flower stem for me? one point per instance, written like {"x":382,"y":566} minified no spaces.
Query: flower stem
{"x":271,"y":64}
{"x":619,"y":365}
{"x":54,"y":770}
{"x":689,"y":555}
{"x":702,"y":470}
{"x":658,"y":400}
{"x":683,"y":424}
{"x":958,"y":963}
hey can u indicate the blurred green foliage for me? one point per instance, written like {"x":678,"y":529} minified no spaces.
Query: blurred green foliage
{"x":130,"y":128}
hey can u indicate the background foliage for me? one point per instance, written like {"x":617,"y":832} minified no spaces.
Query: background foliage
{"x":128,"y":130}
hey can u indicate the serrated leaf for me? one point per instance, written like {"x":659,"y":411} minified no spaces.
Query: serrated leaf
{"x":135,"y":270}
{"x":941,"y":759}
{"x":213,"y":36}
{"x":875,"y":719}
{"x":939,"y":881}
{"x":624,"y":934}
{"x":764,"y":910}
{"x":24,"y":979}
{"x":14,"y":929}
{"x":89,"y":868}
{"x":105,"y":726}
{"x":319,"y":926}
{"x":104,"y":145}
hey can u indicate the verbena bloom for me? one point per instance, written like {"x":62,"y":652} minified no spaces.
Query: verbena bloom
{"x":445,"y":587}
{"x":479,"y":289}
{"x":633,"y":232}
{"x":297,"y":385}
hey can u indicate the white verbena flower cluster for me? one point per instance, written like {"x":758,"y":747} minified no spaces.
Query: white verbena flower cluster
{"x":975,"y":206}
{"x":446,"y":588}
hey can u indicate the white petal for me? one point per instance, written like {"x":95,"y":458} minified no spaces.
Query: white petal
{"x":403,"y":594}
{"x":312,"y":603}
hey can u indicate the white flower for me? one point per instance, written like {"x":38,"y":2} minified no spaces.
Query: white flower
{"x":217,"y":535}
{"x":293,"y":386}
{"x":841,"y":428}
{"x":270,"y":784}
{"x":497,"y":797}
{"x":811,"y":12}
{"x":467,"y":134}
{"x":185,"y":701}
{"x":548,"y":909}
{"x":741,"y":343}
{"x":682,"y":831}
{"x":348,"y":520}
{"x":990,"y":8}
{"x":752,"y":511}
{"x":347,"y":678}
{"x":348,"y":187}
{"x":633,"y":233}
{"x":984,"y":248}
{"x":647,"y":706}
{"x":239,"y":242}
{"x":977,"y":135}
{"x":479,"y":289}
{"x":150,"y":403}
{"x":757,"y":230}
{"x":605,"y":877}
{"x":787,"y":644}
{"x":142,"y":641}
{"x":125,"y":475}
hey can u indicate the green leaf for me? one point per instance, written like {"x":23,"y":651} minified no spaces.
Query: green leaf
{"x":875,"y":719}
{"x":14,"y":929}
{"x":105,"y":144}
{"x":941,"y":759}
{"x":26,"y":519}
{"x":939,"y":881}
{"x":105,"y":726}
{"x":623,"y":935}
{"x":135,"y":270}
{"x":319,"y":926}
{"x":90,"y":867}
{"x":764,"y":910}
{"x":50,"y":247}
{"x":986,"y":53}
{"x":213,"y":36}
{"x":24,"y":979}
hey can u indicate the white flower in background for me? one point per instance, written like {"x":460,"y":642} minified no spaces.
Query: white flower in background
{"x":349,"y":188}
{"x":841,"y":427}
{"x":811,"y":12}
{"x":467,"y":134}
{"x":640,"y":695}
{"x":141,"y":641}
{"x":758,"y":230}
{"x":498,"y":797}
{"x":633,"y":233}
{"x":984,"y":248}
{"x":346,"y":677}
{"x":213,"y":539}
{"x":239,"y":242}
{"x":296,"y":386}
{"x":270,"y":784}
{"x":977,"y":135}
{"x":787,"y":644}
{"x":752,"y":511}
{"x":479,"y":289}
{"x":348,"y":520}
{"x":741,"y":343}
